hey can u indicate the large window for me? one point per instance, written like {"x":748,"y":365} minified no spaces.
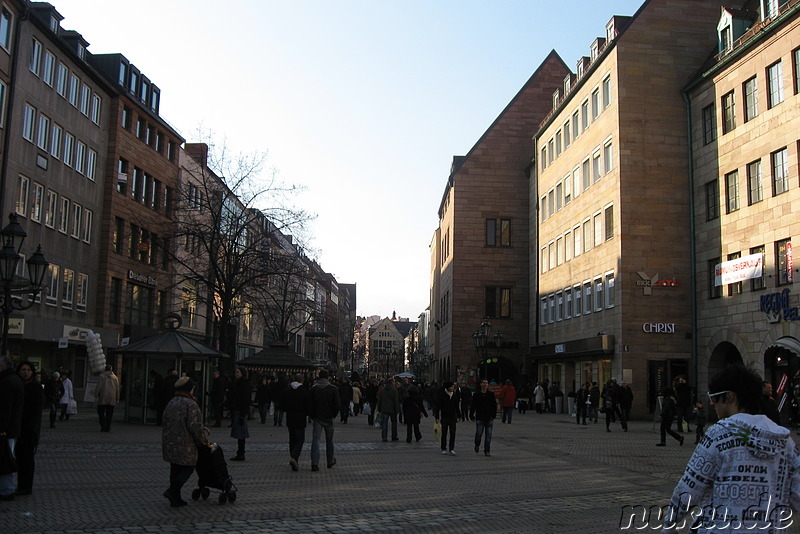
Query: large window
{"x":53,"y":277}
{"x":608,"y":157}
{"x":606,"y":91}
{"x":755,"y":188}
{"x":783,"y":263}
{"x":5,"y":28}
{"x":610,"y":290}
{"x":36,"y":56}
{"x":74,"y":89}
{"x":586,"y":174}
{"x":51,"y":206}
{"x":731,"y":191}
{"x":609,"y":222}
{"x":55,"y":141}
{"x":709,"y":124}
{"x":774,"y":84}
{"x":139,"y":305}
{"x":23,"y":184}
{"x":760,"y":282}
{"x":780,"y":172}
{"x":587,"y":297}
{"x":37,"y":202}
{"x":750,"y":91}
{"x":68,"y":288}
{"x":28,"y":122}
{"x":588,"y":235}
{"x":595,"y":103}
{"x":61,"y":80}
{"x":63,"y":215}
{"x":796,"y":62}
{"x":712,"y":200}
{"x":82,"y":292}
{"x":44,"y":131}
{"x":736,"y":287}
{"x":498,"y":302}
{"x":584,"y":115}
{"x":728,"y":113}
{"x":576,"y":297}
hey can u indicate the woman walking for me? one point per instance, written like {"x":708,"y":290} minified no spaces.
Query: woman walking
{"x":413,"y":408}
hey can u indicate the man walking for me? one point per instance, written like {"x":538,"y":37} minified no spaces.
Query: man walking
{"x":296,"y":402}
{"x":389,"y":406}
{"x":483,"y":411}
{"x":324,"y":407}
{"x":107,"y":395}
{"x":446,"y":413}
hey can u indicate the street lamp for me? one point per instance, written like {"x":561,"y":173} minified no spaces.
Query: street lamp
{"x":13,"y":236}
{"x":481,"y":340}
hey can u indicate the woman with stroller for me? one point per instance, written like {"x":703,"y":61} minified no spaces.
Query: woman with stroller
{"x":182,"y":433}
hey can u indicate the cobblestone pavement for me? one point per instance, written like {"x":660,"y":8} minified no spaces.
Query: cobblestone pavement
{"x":546,"y":474}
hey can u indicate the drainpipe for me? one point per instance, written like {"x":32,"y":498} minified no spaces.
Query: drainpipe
{"x":692,"y":243}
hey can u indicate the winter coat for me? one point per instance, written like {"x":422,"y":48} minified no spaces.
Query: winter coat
{"x":508,"y":396}
{"x":31,"y":414}
{"x":447,"y":406}
{"x":296,"y":402}
{"x":107,"y":392}
{"x":324,"y":400}
{"x":239,"y":396}
{"x":669,"y":409}
{"x":538,"y":394}
{"x":745,"y":463}
{"x":12,"y":398}
{"x":67,"y":396}
{"x":356,"y":395}
{"x":182,"y":431}
{"x":484,"y":406}
{"x":413,"y":408}
{"x":389,"y":400}
{"x":54,"y":390}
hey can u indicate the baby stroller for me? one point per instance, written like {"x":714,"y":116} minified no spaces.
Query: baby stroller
{"x":212,"y":472}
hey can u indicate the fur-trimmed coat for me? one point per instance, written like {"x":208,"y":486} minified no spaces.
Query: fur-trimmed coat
{"x":183,"y":431}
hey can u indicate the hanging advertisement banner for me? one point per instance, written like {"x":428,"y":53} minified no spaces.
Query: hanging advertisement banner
{"x":745,"y":268}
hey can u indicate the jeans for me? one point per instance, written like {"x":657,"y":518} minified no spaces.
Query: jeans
{"x":178,"y":475}
{"x":8,"y":483}
{"x":448,"y":425}
{"x":484,"y":428}
{"x":296,"y":438}
{"x":263,"y":411}
{"x":53,"y":412}
{"x":507,"y":411}
{"x":105,"y":412}
{"x":385,"y":425}
{"x":319,"y":426}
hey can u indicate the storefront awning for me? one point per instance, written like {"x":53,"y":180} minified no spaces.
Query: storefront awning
{"x":788,"y":343}
{"x":590,"y":346}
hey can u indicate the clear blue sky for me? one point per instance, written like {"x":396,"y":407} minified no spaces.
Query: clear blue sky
{"x":363,"y":102}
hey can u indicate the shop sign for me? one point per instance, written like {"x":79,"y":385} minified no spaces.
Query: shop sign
{"x":649,"y":282}
{"x":776,"y":306}
{"x":75,"y":333}
{"x":143,"y":278}
{"x":16,"y":326}
{"x":658,"y":328}
{"x":730,"y":272}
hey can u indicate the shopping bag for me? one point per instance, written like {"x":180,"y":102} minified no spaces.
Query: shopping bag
{"x":72,"y":407}
{"x":437,"y":430}
{"x":378,"y":419}
{"x":366,"y":410}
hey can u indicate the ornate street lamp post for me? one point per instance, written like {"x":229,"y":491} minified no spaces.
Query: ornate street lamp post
{"x":13,"y":236}
{"x":481,"y":340}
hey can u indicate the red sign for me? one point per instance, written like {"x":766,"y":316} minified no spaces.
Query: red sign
{"x":789,"y":262}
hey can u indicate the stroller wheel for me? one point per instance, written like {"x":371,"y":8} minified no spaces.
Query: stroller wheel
{"x":205,"y":492}
{"x":232,"y":496}
{"x":223,"y":498}
{"x":226,"y":486}
{"x":195,"y":494}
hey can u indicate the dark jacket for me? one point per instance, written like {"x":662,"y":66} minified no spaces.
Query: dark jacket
{"x":389,"y":400}
{"x":769,"y":407}
{"x":296,"y":403}
{"x":31,"y":414}
{"x":12,"y":398}
{"x":413,"y":407}
{"x":239,"y":396}
{"x":264,"y":394}
{"x":669,"y":409}
{"x":447,"y":407}
{"x":484,"y":406}
{"x":324,"y":400}
{"x":217,"y":392}
{"x":54,"y":390}
{"x":625,"y":397}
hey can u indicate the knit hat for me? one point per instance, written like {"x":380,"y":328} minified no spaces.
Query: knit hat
{"x":184,"y":384}
{"x":56,"y":374}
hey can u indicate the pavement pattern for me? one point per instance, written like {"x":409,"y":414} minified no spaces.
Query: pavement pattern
{"x":545,"y":475}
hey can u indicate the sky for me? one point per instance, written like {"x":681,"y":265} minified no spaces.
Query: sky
{"x":361,"y":103}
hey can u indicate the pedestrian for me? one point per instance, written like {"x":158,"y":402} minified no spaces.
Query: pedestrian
{"x":483,"y":411}
{"x":155,"y":398}
{"x":217,"y":397}
{"x":12,"y":401}
{"x":239,"y":405}
{"x":669,"y":411}
{"x":296,"y":402}
{"x":278,"y":385}
{"x":446,"y":412}
{"x":683,"y":397}
{"x":508,"y":398}
{"x":466,"y":400}
{"x":181,"y":435}
{"x":625,"y":400}
{"x":402,"y":389}
{"x":413,"y":409}
{"x":582,"y":404}
{"x":53,"y":391}
{"x":263,"y":399}
{"x":389,"y":407}
{"x":523,"y":395}
{"x":345,"y":399}
{"x":699,"y":413}
{"x":107,"y":396}
{"x":371,"y":398}
{"x":594,"y":398}
{"x":66,"y":397}
{"x":745,"y":475}
{"x":552,"y":393}
{"x":538,"y":397}
{"x":358,"y":399}
{"x":324,"y":407}
{"x":30,"y":429}
{"x":768,"y":406}
{"x":610,"y":396}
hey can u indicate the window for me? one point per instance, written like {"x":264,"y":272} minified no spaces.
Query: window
{"x":2,"y":102}
{"x":576,"y":297}
{"x":74,"y":88}
{"x":559,"y":250}
{"x":155,"y":97}
{"x":543,"y":313}
{"x":61,"y":80}
{"x":588,"y":235}
{"x":783,"y":262}
{"x":731,"y":192}
{"x":122,"y":175}
{"x":36,"y":57}
{"x":606,"y":91}
{"x":595,"y":103}
{"x":171,"y":151}
{"x":69,"y":141}
{"x":551,"y":201}
{"x":736,"y":287}
{"x":609,"y":222}
{"x":126,"y":118}
{"x":82,"y":292}
{"x":576,"y":182}
{"x":576,"y":239}
{"x":551,"y":253}
{"x":133,"y":81}
{"x":97,"y":103}
{"x":543,"y":157}
{"x":543,"y":261}
{"x":505,"y":232}
{"x":559,"y":195}
{"x":599,"y":303}
{"x":543,"y":207}
{"x":709,"y":124}
{"x":77,"y":212}
{"x":63,"y":215}
{"x":28,"y":122}
{"x":568,"y":303}
{"x":52,"y":285}
{"x":712,"y":200}
{"x":728,"y":113}
{"x":559,"y":306}
{"x":114,"y":300}
{"x":584,"y":115}
{"x":760,"y":282}
{"x":5,"y":28}
{"x":22,"y":195}
{"x":141,"y":129}
{"x":750,"y":91}
{"x":575,"y":125}
{"x":608,"y":157}
{"x":49,"y":68}
{"x":498,"y":302}
{"x":51,"y":205}
{"x":597,"y":222}
{"x":558,"y":143}
{"x":780,"y":172}
{"x":188,"y":305}
{"x":68,"y":288}
{"x":567,"y":138}
{"x":586,"y":174}
{"x":774,"y":84}
{"x":37,"y":202}
{"x":610,"y":290}
{"x":55,"y":141}
{"x":551,"y":312}
{"x":587,"y":297}
{"x":86,"y":98}
{"x":118,"y":237}
{"x":133,"y":242}
{"x":568,"y":245}
{"x":491,"y":232}
{"x":596,"y":168}
{"x":44,"y":131}
{"x":550,"y":151}
{"x":714,"y":291}
{"x":796,"y":61}
{"x":86,"y":234}
{"x":91,"y":164}
{"x":567,"y":189}
{"x":80,"y":157}
{"x":137,"y":185}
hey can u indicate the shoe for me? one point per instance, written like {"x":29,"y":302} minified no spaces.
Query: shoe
{"x":408,"y":441}
{"x":487,"y":453}
{"x":315,"y":468}
{"x":294,"y":465}
{"x":452,"y":453}
{"x":395,"y":439}
{"x":661,"y":444}
{"x":174,"y":501}
{"x":332,"y":463}
{"x":477,"y":449}
{"x":681,"y":441}
{"x":384,"y":440}
{"x":444,"y":452}
{"x":608,"y":430}
{"x":238,"y":458}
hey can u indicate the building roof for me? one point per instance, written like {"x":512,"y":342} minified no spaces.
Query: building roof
{"x":277,"y":357}
{"x":169,"y":343}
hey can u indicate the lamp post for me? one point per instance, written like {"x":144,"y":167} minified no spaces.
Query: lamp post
{"x":481,"y":340}
{"x":13,"y":236}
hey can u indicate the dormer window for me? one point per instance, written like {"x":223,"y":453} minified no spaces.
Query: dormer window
{"x":725,"y":40}
{"x":556,"y":95}
{"x":567,"y":82}
{"x":581,"y":67}
{"x":611,"y":30}
{"x":597,"y":47}
{"x":81,"y":50}
{"x":769,"y":9}
{"x":54,"y":24}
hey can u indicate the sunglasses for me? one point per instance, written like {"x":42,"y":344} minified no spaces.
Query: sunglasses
{"x":714,"y":397}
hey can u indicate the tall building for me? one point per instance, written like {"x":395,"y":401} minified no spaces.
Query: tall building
{"x":610,"y":239}
{"x":479,"y":258}
{"x":745,"y":113}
